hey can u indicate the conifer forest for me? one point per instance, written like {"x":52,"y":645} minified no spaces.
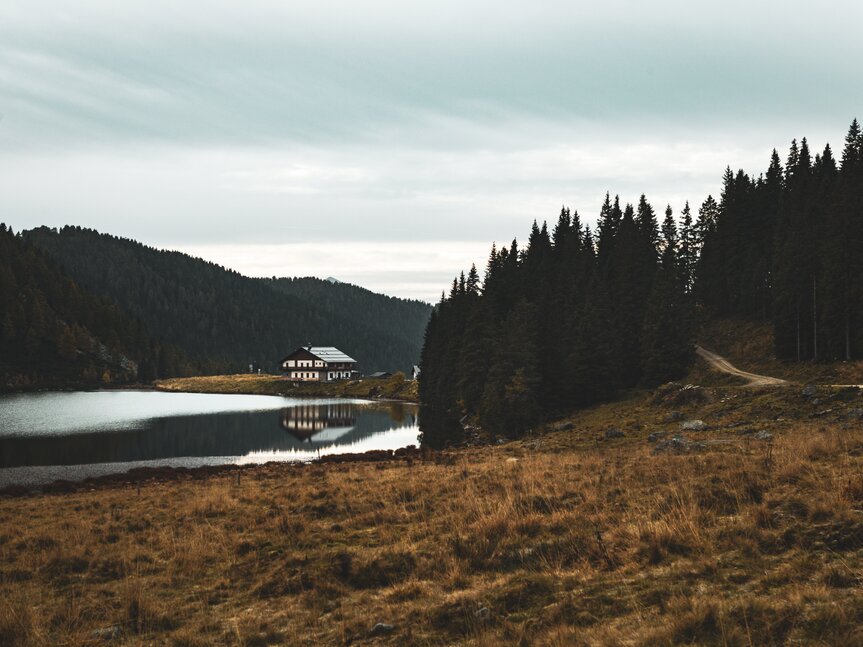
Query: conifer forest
{"x":578,"y":313}
{"x":80,"y":308}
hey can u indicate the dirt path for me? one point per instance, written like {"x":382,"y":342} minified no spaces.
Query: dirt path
{"x":723,"y":365}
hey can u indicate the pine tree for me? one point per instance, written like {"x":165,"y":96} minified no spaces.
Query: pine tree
{"x":645,"y":220}
{"x":472,"y":282}
{"x":607,"y":230}
{"x":669,"y":241}
{"x":689,"y":249}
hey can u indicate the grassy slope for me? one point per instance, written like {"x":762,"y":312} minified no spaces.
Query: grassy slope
{"x":749,"y":346}
{"x":562,"y":538}
{"x":394,"y":388}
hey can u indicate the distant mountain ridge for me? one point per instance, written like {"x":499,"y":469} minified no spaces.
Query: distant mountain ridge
{"x":224,"y":321}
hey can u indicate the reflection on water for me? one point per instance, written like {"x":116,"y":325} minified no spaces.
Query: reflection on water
{"x":330,"y":422}
{"x":323,"y":421}
{"x":38,"y":432}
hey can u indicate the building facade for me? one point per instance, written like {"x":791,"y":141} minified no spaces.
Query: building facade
{"x":318,"y":364}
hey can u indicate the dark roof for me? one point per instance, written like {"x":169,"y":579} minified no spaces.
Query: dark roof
{"x":325,"y":353}
{"x":381,"y":374}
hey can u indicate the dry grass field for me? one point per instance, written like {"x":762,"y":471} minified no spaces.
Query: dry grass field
{"x":570,"y":537}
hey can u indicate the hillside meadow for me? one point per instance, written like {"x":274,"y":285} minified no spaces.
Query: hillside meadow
{"x":588,"y":532}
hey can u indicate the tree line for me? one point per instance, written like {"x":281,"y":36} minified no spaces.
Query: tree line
{"x":579,"y":313}
{"x":787,"y":247}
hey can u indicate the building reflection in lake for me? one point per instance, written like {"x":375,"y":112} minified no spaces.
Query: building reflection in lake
{"x":189,"y":440}
{"x":321,"y":421}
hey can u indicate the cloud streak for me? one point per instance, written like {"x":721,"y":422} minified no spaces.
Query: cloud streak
{"x":226,"y":123}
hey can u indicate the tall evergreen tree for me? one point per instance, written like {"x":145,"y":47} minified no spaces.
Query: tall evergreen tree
{"x":669,"y":242}
{"x":646,"y":222}
{"x":689,"y":249}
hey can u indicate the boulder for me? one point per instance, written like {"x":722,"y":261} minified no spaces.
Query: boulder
{"x":563,"y":426}
{"x":674,"y":416}
{"x":677,"y":445}
{"x":693,"y":425}
{"x":614,"y":432}
{"x":674,"y":394}
{"x":381,"y":629}
{"x":656,"y":436}
{"x":809,"y":391}
{"x":763,"y":435}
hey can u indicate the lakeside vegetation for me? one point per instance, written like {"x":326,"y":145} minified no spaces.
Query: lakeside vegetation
{"x":573,"y":536}
{"x":396,"y":387}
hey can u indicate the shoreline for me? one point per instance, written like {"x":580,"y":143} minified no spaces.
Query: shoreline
{"x":395,"y":388}
{"x":141,"y":476}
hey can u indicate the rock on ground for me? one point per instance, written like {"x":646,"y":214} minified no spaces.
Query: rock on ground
{"x":693,"y":425}
{"x":678,"y":445}
{"x":382,"y":628}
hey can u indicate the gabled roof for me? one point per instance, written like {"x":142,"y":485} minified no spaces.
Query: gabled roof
{"x":381,"y":374}
{"x":330,"y":354}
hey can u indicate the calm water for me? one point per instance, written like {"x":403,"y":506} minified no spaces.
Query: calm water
{"x":48,"y":436}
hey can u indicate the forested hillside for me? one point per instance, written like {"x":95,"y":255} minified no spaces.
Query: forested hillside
{"x":567,"y":321}
{"x":53,"y":333}
{"x":787,"y":247}
{"x":578,"y":314}
{"x":225,"y":321}
{"x":401,"y":319}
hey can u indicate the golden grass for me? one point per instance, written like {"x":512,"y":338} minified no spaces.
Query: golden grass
{"x":561,"y":539}
{"x":394,"y":388}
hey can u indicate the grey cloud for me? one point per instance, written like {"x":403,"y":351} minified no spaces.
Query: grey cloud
{"x":263,"y":73}
{"x":226,"y":123}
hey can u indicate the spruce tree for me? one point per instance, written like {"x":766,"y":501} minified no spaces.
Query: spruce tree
{"x":669,"y":241}
{"x":645,"y":221}
{"x":689,"y":249}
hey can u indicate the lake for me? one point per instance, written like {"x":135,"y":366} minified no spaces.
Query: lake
{"x":49,"y":436}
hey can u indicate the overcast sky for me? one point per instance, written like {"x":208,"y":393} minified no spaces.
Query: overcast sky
{"x":389,"y":143}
